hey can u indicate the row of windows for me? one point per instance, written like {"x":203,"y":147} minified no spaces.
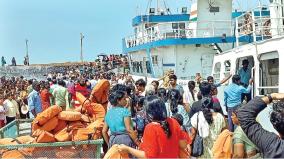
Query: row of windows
{"x":138,"y":65}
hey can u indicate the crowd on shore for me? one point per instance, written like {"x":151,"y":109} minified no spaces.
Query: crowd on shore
{"x":159,"y":119}
{"x":102,"y":63}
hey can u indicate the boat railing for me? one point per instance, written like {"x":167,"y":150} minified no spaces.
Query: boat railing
{"x":163,"y":31}
{"x":259,"y":27}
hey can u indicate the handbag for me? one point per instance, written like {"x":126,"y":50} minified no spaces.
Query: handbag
{"x":197,"y":145}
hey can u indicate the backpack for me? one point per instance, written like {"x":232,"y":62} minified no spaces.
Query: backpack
{"x":223,"y":146}
{"x":140,"y":123}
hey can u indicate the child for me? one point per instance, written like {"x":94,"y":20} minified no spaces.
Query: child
{"x":140,"y":117}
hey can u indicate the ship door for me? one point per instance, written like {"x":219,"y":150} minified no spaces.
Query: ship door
{"x":268,"y":73}
{"x":206,"y":64}
{"x":247,"y":75}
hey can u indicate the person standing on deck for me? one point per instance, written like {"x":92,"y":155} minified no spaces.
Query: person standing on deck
{"x":245,"y":74}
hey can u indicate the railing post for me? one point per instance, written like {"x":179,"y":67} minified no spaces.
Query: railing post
{"x":151,"y":34}
{"x":213,"y":29}
{"x":18,"y":127}
{"x":237,"y":32}
{"x":253,"y":27}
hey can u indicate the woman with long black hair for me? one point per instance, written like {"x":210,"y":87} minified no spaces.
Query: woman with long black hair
{"x":118,"y":120}
{"x":162,"y":136}
{"x":176,"y":106}
{"x":209,"y":123}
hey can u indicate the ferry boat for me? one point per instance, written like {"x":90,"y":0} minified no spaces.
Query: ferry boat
{"x":263,"y":53}
{"x":211,"y":40}
{"x":185,"y":42}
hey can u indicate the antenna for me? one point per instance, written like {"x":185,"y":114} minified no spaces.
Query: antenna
{"x":160,"y":8}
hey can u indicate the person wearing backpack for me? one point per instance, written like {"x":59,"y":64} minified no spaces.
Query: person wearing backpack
{"x":206,"y":124}
{"x":185,"y":152}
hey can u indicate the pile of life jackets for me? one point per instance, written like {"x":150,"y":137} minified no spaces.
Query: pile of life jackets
{"x":54,"y":125}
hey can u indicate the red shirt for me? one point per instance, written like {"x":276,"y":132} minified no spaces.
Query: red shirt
{"x":156,"y":144}
{"x":83,"y":90}
{"x":45,"y":99}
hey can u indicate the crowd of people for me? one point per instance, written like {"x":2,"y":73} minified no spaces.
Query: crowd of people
{"x":103,"y":62}
{"x":159,"y":119}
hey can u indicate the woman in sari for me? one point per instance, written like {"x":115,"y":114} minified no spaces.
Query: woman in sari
{"x":243,"y":147}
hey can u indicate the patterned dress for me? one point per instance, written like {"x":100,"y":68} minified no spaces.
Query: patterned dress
{"x":214,"y":130}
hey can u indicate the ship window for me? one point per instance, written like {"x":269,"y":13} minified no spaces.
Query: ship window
{"x":175,"y":25}
{"x":155,"y":60}
{"x":227,"y":65}
{"x":148,"y":67}
{"x":269,"y":73}
{"x":136,"y":67}
{"x":140,"y":66}
{"x":217,"y":70}
{"x":135,"y":31}
{"x":133,"y":66}
{"x":182,"y":25}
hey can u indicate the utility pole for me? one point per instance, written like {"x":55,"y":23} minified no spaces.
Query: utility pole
{"x":27,"y":52}
{"x":82,"y":37}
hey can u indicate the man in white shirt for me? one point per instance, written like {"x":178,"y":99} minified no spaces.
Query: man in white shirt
{"x":11,"y":107}
{"x":94,"y":81}
{"x":140,"y":87}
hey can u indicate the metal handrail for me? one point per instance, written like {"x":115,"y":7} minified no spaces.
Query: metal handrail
{"x":155,"y":32}
{"x":268,"y":87}
{"x":258,"y":26}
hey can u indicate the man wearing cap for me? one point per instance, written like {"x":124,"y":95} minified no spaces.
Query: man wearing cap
{"x":245,"y":74}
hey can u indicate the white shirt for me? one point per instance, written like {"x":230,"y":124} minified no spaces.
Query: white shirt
{"x":11,"y":108}
{"x":2,"y":113}
{"x":93,"y":83}
{"x":121,"y":81}
{"x":187,"y":97}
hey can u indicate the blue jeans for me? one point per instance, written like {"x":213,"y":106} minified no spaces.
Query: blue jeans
{"x":231,"y":125}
